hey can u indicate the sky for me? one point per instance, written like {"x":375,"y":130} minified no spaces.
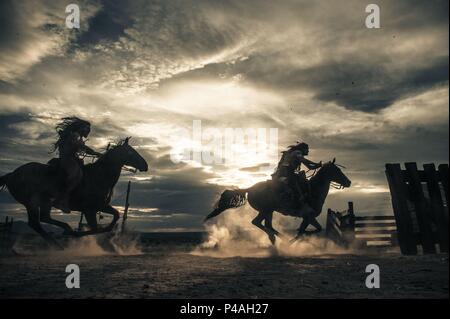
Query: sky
{"x":311,"y":70}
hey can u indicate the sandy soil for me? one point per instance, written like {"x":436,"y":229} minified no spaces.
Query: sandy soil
{"x":168,"y":272}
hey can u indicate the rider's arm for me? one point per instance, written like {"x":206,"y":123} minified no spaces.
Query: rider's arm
{"x":78,"y":140}
{"x":309,"y":164}
{"x":90,"y":151}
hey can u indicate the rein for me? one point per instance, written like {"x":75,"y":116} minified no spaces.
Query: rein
{"x":129,"y":169}
{"x":124,"y":168}
{"x":336,"y":185}
{"x":332,"y":184}
{"x":312,"y":174}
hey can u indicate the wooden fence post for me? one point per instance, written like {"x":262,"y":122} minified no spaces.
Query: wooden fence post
{"x":437,"y":205}
{"x":443,"y":174}
{"x":403,"y":219}
{"x":127,"y":205}
{"x":422,"y":213}
{"x":352,"y":221}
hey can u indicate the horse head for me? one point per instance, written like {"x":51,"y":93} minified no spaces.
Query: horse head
{"x":335,"y":174}
{"x":128,"y":156}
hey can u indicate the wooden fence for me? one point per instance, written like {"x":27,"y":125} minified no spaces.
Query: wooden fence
{"x":419,"y":200}
{"x":340,"y":225}
{"x":345,"y":228}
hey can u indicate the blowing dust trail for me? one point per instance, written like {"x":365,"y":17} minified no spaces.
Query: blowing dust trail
{"x":232,"y":234}
{"x":101,"y":245}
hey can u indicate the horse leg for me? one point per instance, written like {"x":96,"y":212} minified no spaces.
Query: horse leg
{"x":91,"y":218}
{"x":316,"y":224}
{"x":33,"y":222}
{"x":307,"y":220}
{"x":305,"y":223}
{"x":46,"y":218}
{"x":111,"y":210}
{"x":268,"y":224}
{"x":257,"y":221}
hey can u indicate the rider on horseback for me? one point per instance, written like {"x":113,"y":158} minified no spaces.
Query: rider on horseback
{"x":289,"y":164}
{"x":71,"y":146}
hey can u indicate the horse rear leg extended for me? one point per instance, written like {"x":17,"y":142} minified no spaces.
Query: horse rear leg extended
{"x":46,"y":218}
{"x":34,"y":223}
{"x":257,"y":221}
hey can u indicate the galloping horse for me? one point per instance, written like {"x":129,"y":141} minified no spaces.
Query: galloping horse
{"x":265,"y":200}
{"x":35,"y":185}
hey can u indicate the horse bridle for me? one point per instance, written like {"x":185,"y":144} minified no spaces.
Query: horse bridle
{"x":332,"y":184}
{"x":337,"y":185}
{"x":125,"y":168}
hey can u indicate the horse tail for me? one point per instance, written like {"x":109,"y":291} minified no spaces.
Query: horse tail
{"x":229,"y":199}
{"x":3,"y":181}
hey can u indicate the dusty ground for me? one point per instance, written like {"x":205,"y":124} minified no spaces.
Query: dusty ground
{"x":174,"y":273}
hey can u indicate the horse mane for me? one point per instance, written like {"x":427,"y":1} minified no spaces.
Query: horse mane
{"x":320,"y":171}
{"x":113,"y":145}
{"x":110,"y":147}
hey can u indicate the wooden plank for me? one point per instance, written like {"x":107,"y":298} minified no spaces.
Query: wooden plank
{"x":443,"y":173}
{"x":332,"y":230}
{"x":386,"y":239}
{"x":422,"y":213}
{"x":337,"y":229}
{"x":379,"y":231}
{"x":373,"y":225}
{"x":366,"y":218}
{"x":384,"y":245}
{"x":400,"y":207}
{"x":437,"y":206}
{"x":335,"y":219}
{"x":328,"y":223}
{"x":350,"y":233}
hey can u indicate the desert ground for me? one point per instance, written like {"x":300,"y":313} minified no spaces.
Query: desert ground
{"x":163,"y":269}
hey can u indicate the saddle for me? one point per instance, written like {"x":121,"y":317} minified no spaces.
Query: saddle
{"x":55,"y":164}
{"x":54,"y":170}
{"x":289,"y":197}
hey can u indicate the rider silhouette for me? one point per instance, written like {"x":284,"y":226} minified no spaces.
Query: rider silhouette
{"x":290,"y":162}
{"x":71,"y":146}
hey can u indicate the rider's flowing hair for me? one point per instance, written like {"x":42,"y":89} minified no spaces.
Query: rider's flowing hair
{"x":298,"y":146}
{"x":291,"y":148}
{"x":66,"y":126}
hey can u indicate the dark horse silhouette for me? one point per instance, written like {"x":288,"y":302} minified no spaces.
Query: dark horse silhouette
{"x":265,"y":200}
{"x":35,"y":185}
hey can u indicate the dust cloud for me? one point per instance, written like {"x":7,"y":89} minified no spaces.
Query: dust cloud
{"x":122,"y":244}
{"x":231,"y":234}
